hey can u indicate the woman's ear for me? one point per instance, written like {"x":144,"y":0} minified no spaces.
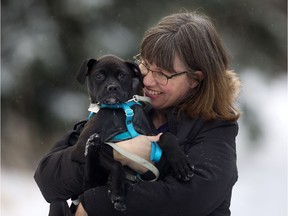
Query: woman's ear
{"x":198,"y":78}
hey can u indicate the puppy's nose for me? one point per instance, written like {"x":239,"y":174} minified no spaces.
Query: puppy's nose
{"x":112,"y":88}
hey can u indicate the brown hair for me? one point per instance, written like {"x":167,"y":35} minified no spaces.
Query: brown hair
{"x":193,"y":38}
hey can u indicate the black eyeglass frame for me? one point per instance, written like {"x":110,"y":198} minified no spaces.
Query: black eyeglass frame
{"x":137,"y":60}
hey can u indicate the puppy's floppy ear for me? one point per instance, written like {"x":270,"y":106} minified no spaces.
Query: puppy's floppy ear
{"x":84,"y":70}
{"x":137,"y":78}
{"x":136,"y":70}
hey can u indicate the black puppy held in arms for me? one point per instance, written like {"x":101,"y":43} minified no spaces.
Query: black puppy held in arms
{"x":112,"y":83}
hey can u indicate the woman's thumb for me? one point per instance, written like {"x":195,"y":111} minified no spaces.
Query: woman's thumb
{"x":154,"y":138}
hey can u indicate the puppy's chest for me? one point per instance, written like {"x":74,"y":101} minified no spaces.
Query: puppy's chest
{"x":113,"y":117}
{"x":110,"y":122}
{"x":109,"y":118}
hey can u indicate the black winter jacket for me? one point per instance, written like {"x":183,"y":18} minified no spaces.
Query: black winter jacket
{"x":212,"y":152}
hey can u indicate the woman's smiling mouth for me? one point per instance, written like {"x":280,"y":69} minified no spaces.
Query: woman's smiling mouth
{"x":151,"y":92}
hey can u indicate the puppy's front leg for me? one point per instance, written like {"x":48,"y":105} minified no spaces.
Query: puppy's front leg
{"x":98,"y":166}
{"x":176,"y":157}
{"x":117,"y":180}
{"x":95,"y":174}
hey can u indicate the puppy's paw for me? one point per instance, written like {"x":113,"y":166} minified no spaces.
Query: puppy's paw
{"x":120,"y":206}
{"x":118,"y":202}
{"x":95,"y":141}
{"x":182,"y":169}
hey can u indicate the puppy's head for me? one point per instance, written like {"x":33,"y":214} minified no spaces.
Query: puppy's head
{"x":111,"y":80}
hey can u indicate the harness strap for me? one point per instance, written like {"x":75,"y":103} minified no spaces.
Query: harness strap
{"x":122,"y":136}
{"x":129,"y":117}
{"x":156,"y":151}
{"x":136,"y":159}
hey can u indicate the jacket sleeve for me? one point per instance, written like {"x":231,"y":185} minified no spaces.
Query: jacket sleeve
{"x":213,"y":156}
{"x":57,"y":176}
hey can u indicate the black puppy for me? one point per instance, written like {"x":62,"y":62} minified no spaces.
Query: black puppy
{"x":112,"y":82}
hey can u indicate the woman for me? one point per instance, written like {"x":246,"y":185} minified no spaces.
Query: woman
{"x":185,"y":73}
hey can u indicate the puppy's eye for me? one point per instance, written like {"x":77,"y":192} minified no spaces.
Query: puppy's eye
{"x":99,"y":76}
{"x":122,"y":76}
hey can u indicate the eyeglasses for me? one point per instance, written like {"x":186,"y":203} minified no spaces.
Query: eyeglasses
{"x":160,"y":77}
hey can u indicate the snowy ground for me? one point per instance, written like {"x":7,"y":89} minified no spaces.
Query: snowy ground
{"x":20,"y":195}
{"x":262,"y":185}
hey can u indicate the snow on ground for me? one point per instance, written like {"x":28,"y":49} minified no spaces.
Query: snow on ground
{"x":20,"y":195}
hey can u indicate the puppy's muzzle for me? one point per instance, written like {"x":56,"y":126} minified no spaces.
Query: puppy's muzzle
{"x":113,"y":95}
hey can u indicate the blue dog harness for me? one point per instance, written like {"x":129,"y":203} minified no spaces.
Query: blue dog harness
{"x":156,"y":151}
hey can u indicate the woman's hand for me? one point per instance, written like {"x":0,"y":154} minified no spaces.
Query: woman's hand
{"x":141,"y":146}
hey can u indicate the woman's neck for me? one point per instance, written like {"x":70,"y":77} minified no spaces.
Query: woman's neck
{"x":159,"y":118}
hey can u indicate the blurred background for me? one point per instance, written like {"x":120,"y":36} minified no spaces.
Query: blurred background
{"x":44,"y":42}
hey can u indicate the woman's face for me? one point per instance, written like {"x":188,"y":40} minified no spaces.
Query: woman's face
{"x":164,"y":96}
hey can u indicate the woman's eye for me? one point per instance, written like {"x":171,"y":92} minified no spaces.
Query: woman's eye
{"x":160,"y":74}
